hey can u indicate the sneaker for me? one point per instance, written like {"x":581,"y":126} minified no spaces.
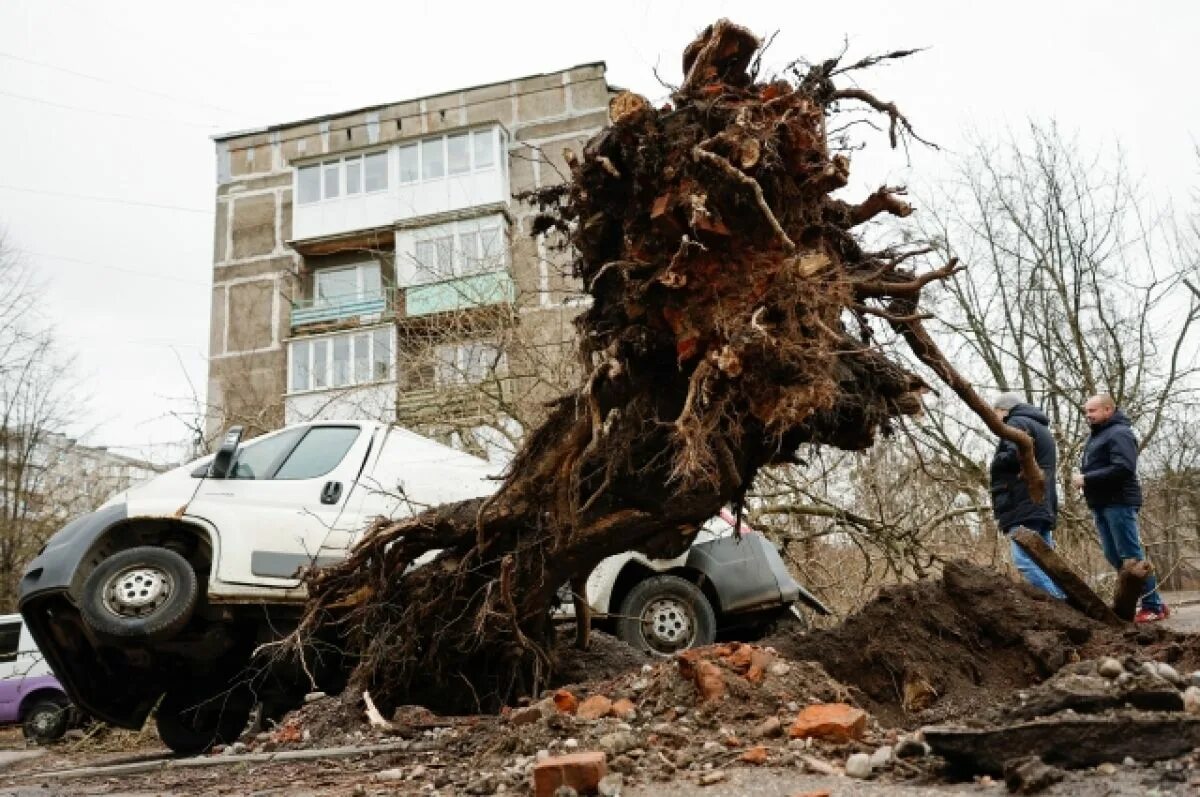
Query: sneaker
{"x":1152,"y":615}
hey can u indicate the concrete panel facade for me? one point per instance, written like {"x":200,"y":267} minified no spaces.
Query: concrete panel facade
{"x":256,"y":272}
{"x":253,"y":225}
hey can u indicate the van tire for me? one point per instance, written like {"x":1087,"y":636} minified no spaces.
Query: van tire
{"x":46,"y":720}
{"x":140,"y":593}
{"x":664,"y":615}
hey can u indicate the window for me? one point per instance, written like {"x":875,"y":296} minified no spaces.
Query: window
{"x":319,"y":452}
{"x":351,"y":175}
{"x":485,"y":155}
{"x":341,"y":361}
{"x":458,"y":154}
{"x":301,"y":366}
{"x":466,"y":363}
{"x":457,"y":250}
{"x":320,"y":367}
{"x":333,"y":179}
{"x":433,"y":159}
{"x":409,"y":173}
{"x":309,"y":184}
{"x":376,"y":170}
{"x":346,"y":284}
{"x":353,"y":358}
{"x":10,"y":640}
{"x":259,"y":458}
{"x":362,"y":358}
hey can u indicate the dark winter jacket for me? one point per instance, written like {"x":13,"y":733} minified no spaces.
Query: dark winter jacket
{"x":1011,"y":502}
{"x":1110,"y":464}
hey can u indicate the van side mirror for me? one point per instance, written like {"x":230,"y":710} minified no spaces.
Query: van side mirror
{"x":223,"y":461}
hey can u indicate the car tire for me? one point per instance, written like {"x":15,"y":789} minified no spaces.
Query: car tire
{"x":140,"y":593}
{"x":46,"y":720}
{"x":664,"y":615}
{"x":191,"y":723}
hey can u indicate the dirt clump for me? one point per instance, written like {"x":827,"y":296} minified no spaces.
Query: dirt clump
{"x":606,"y":657}
{"x":935,"y":650}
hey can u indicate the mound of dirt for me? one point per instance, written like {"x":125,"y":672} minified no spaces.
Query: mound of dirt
{"x":606,"y":657}
{"x":937,"y":649}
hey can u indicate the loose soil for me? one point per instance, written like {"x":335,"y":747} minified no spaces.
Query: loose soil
{"x":972,"y":645}
{"x":940,"y":651}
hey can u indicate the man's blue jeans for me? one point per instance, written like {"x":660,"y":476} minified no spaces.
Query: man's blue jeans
{"x":1026,"y":566}
{"x":1119,"y":538}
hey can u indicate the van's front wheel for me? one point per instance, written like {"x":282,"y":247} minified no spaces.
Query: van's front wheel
{"x":145,"y":592}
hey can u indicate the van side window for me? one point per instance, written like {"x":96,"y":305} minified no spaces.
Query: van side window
{"x":319,"y":452}
{"x":10,"y":636}
{"x":259,"y":458}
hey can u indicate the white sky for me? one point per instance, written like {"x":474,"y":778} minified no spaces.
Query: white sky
{"x":137,"y":88}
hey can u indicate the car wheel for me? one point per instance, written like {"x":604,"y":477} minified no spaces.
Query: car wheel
{"x":666,"y":614}
{"x":145,"y":592}
{"x":46,"y":720}
{"x":190,"y":723}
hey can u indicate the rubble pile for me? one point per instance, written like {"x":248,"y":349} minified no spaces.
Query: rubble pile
{"x":693,"y":718}
{"x":1091,"y":712}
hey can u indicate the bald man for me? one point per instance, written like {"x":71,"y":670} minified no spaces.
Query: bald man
{"x":1109,"y":482}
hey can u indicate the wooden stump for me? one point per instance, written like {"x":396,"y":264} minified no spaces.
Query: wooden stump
{"x":1079,"y":594}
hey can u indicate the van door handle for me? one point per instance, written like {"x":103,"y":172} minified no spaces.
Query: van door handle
{"x":331,"y":492}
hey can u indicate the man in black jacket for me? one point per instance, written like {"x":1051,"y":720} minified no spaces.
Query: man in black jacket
{"x":1012,"y":504}
{"x":1109,"y":482}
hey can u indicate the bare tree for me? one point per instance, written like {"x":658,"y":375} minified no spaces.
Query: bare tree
{"x":37,"y":401}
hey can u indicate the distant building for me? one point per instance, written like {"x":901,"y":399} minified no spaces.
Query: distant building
{"x":57,"y":477}
{"x":373,"y":263}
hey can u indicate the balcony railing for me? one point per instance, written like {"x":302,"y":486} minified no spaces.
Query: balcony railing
{"x":460,"y":293}
{"x":476,"y":290}
{"x":316,"y":311}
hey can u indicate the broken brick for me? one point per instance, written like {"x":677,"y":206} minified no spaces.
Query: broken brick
{"x":594,"y":707}
{"x":836,"y":722}
{"x":623,"y":709}
{"x":565,"y":702}
{"x":703,"y":673}
{"x":755,"y":755}
{"x":581,"y":771}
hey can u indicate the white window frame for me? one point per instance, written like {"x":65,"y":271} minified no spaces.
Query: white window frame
{"x":452,"y":362}
{"x":497,"y":140}
{"x":340,"y":164}
{"x":352,"y":335}
{"x":425,"y":274}
{"x":360,"y":291}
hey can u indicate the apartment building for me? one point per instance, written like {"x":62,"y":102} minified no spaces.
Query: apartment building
{"x":375,"y":263}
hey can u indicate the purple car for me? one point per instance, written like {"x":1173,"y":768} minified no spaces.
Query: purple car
{"x":29,"y":692}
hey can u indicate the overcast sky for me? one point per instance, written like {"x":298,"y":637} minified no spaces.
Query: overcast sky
{"x":115,"y":101}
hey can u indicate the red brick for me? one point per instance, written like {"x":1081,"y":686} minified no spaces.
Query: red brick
{"x":565,"y":702}
{"x":623,"y":708}
{"x":580,"y":771}
{"x":594,"y":707}
{"x":837,"y":722}
{"x":755,"y":755}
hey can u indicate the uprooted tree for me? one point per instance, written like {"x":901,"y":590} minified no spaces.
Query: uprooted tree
{"x":730,"y":323}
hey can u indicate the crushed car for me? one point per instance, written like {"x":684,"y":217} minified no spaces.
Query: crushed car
{"x":163,"y":595}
